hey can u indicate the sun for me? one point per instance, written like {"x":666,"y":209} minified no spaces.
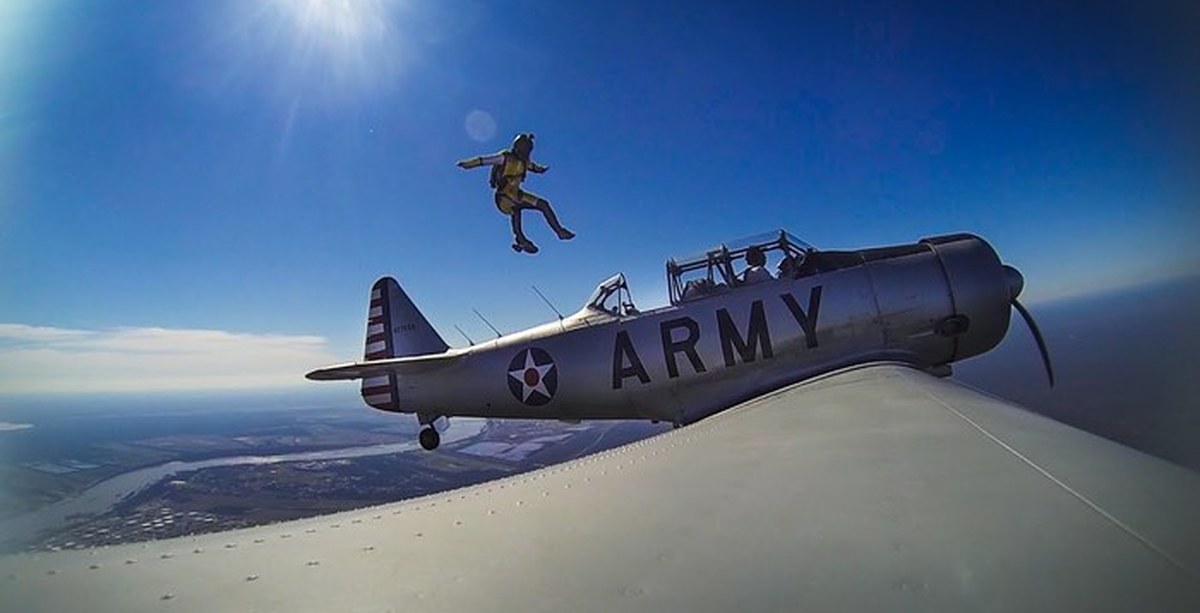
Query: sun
{"x":331,"y":50}
{"x":341,"y":30}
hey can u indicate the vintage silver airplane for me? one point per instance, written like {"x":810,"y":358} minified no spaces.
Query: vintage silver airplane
{"x":727,"y":335}
{"x":873,"y":486}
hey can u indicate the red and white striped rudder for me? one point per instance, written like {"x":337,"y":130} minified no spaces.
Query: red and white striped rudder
{"x":395,"y":328}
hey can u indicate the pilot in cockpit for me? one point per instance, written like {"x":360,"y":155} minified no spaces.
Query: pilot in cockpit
{"x":756,"y":271}
{"x":788,"y":267}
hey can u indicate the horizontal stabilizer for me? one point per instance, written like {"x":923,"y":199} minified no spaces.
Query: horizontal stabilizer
{"x":413,"y":365}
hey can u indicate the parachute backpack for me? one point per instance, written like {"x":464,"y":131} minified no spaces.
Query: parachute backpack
{"x":496,"y":178}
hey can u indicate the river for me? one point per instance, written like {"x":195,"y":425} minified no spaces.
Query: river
{"x":103,"y":496}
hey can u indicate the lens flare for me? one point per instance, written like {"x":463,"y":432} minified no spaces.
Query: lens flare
{"x":480,"y":126}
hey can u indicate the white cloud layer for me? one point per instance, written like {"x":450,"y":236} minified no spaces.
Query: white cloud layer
{"x":40,"y":360}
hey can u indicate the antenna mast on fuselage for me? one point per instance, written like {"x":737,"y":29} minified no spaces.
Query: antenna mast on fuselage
{"x":489,"y":324}
{"x":547,"y":301}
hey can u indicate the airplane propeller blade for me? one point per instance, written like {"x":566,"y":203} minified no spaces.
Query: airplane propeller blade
{"x":1037,"y":336}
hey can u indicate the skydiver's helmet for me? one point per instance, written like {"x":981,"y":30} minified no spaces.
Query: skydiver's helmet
{"x":523,"y":145}
{"x":755,"y":257}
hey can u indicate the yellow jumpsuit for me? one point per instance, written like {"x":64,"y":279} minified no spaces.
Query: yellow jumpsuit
{"x":509,"y":196}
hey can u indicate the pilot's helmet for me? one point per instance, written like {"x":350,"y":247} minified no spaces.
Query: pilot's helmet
{"x":523,"y":145}
{"x":755,"y":257}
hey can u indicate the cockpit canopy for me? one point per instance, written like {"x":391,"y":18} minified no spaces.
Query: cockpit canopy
{"x":715,"y":270}
{"x":612,"y":297}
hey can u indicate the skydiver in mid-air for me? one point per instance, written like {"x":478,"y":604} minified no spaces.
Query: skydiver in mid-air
{"x":508,"y":171}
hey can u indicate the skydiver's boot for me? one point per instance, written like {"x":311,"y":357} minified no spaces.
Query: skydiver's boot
{"x":552,"y":221}
{"x":520,"y":242}
{"x":523,"y":244}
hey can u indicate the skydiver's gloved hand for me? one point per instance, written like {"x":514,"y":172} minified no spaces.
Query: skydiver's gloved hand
{"x":471,"y":163}
{"x":538,"y":168}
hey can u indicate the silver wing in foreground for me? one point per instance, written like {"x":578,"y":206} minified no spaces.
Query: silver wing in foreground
{"x":875,"y":488}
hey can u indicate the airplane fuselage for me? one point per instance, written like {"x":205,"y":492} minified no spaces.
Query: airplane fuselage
{"x":927,"y":304}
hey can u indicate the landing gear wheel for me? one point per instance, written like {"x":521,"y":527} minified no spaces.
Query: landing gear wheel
{"x":430,"y":439}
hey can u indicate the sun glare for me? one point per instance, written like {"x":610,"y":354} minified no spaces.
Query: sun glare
{"x":335,"y":50}
{"x":337,"y":28}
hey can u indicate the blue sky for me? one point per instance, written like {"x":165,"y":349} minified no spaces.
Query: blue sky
{"x":198,"y":194}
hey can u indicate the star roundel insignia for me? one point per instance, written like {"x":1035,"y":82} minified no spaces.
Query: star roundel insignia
{"x":532,"y":377}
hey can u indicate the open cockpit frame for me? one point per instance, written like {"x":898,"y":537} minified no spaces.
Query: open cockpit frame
{"x":716,"y":271}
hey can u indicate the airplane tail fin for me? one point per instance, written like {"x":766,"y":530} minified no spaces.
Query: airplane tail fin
{"x":395,"y":329}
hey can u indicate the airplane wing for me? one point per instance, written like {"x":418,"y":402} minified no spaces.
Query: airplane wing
{"x":410,"y":365}
{"x":875,"y":488}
